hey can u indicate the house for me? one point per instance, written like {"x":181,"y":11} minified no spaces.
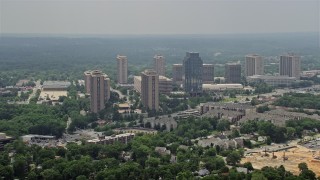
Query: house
{"x":162,"y":151}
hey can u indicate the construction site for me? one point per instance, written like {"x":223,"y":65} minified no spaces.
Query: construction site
{"x":288,"y":156}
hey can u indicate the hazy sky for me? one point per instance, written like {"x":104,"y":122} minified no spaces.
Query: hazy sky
{"x":158,"y":16}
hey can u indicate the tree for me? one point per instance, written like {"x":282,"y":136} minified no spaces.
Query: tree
{"x":50,"y":174}
{"x":233,"y":158}
{"x":257,"y":175}
{"x":223,"y":125}
{"x":303,"y":166}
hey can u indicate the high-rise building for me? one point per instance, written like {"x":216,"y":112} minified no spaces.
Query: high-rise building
{"x":192,"y":81}
{"x":254,"y":65}
{"x":165,"y":85}
{"x":122,"y":75}
{"x":208,"y":73}
{"x":232,"y":73}
{"x":290,"y":65}
{"x":99,"y":90}
{"x":150,"y":89}
{"x":159,"y":65}
{"x":87,"y":76}
{"x":177,"y":73}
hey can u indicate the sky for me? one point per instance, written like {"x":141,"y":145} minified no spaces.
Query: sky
{"x":158,"y":16}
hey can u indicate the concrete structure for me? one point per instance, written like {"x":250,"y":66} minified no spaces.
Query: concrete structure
{"x":150,"y":89}
{"x":192,"y":79}
{"x":240,"y":107}
{"x":160,"y":65}
{"x":169,"y":122}
{"x":55,"y":85}
{"x":87,"y":77}
{"x":221,"y":87}
{"x":254,"y":65}
{"x":136,"y":130}
{"x":165,"y":85}
{"x":290,"y":65}
{"x":232,"y":73}
{"x":99,"y":90}
{"x":272,"y":80}
{"x":122,"y":74}
{"x":177,"y":73}
{"x":137,"y":83}
{"x":208,"y":73}
{"x":122,"y":138}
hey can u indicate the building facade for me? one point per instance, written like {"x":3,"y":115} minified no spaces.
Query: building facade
{"x":254,"y":65}
{"x":137,"y":83}
{"x":122,"y":74}
{"x":165,"y":85}
{"x":290,"y":65}
{"x":192,"y":79}
{"x":232,"y":73}
{"x":208,"y":73}
{"x":99,"y":90}
{"x":87,"y":77}
{"x":272,"y":80}
{"x":150,"y":89}
{"x":159,"y":65}
{"x":177,"y":73}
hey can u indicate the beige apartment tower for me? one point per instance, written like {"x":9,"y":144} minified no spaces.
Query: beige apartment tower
{"x":290,"y":65}
{"x":254,"y":65}
{"x":99,"y":90}
{"x":122,"y":64}
{"x":150,"y":89}
{"x":159,"y":65}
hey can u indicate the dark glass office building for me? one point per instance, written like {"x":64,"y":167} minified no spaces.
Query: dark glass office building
{"x":192,"y":81}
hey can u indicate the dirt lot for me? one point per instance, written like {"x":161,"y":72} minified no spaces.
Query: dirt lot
{"x":295,"y":156}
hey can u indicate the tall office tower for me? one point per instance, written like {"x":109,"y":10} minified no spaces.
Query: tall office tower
{"x":177,"y":73}
{"x":100,"y":90}
{"x":150,"y":89}
{"x":159,"y":65}
{"x":208,"y":73}
{"x":254,"y":65}
{"x":122,"y":63}
{"x":290,"y":65}
{"x":192,"y":79}
{"x":232,"y":73}
{"x":87,"y":76}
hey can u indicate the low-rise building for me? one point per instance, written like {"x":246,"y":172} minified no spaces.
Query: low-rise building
{"x":221,"y":87}
{"x":122,"y":138}
{"x":272,"y":80}
{"x":135,"y":130}
{"x":169,"y":122}
{"x":4,"y":139}
{"x":240,"y":107}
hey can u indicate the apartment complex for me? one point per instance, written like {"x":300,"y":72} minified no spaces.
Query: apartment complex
{"x":165,"y":84}
{"x":150,"y":89}
{"x":254,"y":65}
{"x":192,"y":79}
{"x":208,"y":73}
{"x":122,"y":74}
{"x":290,"y":65}
{"x":99,"y":85}
{"x":159,"y":65}
{"x":232,"y":72}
